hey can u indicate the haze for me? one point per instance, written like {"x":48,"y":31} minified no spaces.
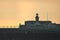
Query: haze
{"x":13,"y":12}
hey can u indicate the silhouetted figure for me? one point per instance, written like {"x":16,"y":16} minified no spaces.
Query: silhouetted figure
{"x":37,"y":17}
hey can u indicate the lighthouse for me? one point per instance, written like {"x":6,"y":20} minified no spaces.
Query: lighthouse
{"x":37,"y":17}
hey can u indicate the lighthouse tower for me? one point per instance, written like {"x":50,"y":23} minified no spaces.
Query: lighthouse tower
{"x":37,"y":17}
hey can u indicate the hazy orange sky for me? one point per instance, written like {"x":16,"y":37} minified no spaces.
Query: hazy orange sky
{"x":13,"y":12}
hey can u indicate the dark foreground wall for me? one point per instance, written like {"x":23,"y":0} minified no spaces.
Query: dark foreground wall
{"x":30,"y":36}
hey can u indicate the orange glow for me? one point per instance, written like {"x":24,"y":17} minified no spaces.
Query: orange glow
{"x":13,"y":12}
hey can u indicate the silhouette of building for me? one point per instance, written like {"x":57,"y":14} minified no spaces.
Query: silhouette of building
{"x":34,"y":26}
{"x":40,"y":26}
{"x":32,"y":30}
